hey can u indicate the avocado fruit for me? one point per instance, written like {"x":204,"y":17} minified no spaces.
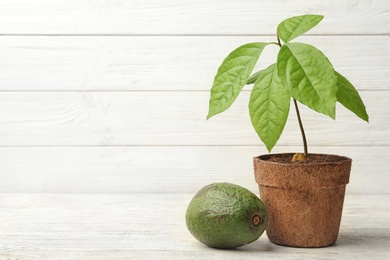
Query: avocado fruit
{"x":226,"y":215}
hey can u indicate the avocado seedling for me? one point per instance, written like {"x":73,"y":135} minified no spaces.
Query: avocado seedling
{"x":304,"y":193}
{"x":302,"y":73}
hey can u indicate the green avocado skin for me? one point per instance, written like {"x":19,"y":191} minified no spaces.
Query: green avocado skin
{"x":221,"y":215}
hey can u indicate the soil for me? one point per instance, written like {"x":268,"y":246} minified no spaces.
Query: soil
{"x":311,"y":158}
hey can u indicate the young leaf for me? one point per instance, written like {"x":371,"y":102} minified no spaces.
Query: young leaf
{"x":297,"y":25}
{"x":252,"y":79}
{"x":308,"y":76}
{"x":269,"y":105}
{"x":348,"y":96}
{"x":232,"y":76}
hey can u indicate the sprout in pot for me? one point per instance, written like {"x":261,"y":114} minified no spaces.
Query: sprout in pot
{"x":303,"y":74}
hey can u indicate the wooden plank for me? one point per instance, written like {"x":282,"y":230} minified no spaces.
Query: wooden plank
{"x":163,"y":169}
{"x":165,"y":63}
{"x":152,"y":226}
{"x":187,"y":17}
{"x":169,"y":118}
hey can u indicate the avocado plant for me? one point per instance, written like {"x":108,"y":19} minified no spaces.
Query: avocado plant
{"x":301,"y":73}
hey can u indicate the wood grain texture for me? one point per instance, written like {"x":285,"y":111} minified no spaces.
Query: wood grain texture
{"x":187,"y":17}
{"x":111,"y":95}
{"x":167,"y":169}
{"x":139,"y":226}
{"x":169,"y":118}
{"x":165,"y":62}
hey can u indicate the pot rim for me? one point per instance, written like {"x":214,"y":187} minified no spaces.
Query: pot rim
{"x":265,"y":157}
{"x":302,"y":176}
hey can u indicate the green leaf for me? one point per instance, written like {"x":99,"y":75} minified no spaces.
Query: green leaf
{"x":269,"y":105}
{"x":252,"y":79}
{"x":348,"y":96}
{"x":308,"y":76}
{"x":295,"y":26}
{"x":232,"y":76}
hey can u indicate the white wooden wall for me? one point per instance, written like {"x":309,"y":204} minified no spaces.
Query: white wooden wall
{"x":112,"y":95}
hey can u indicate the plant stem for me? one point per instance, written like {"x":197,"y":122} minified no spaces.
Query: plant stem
{"x":280,"y":45}
{"x":298,"y":114}
{"x":301,"y":127}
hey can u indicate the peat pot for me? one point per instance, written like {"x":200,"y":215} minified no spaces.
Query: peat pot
{"x":304,"y":199}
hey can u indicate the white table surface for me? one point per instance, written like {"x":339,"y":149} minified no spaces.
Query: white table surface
{"x":152,"y":226}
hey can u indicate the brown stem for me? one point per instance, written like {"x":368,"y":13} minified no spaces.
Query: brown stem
{"x":280,"y":45}
{"x":301,"y":127}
